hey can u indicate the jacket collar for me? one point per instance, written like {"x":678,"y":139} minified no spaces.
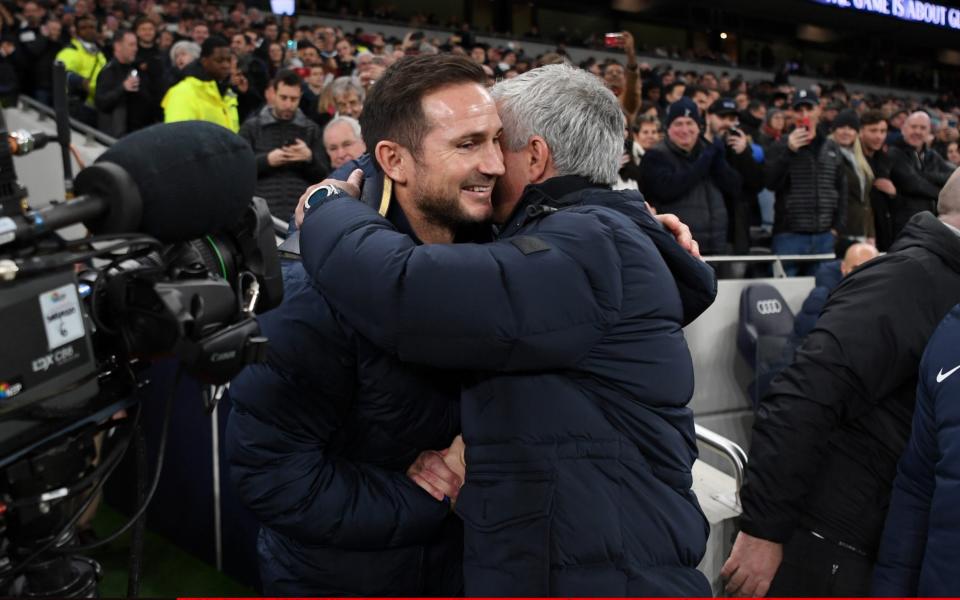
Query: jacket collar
{"x":927,"y":231}
{"x":548,"y":196}
{"x":266,"y":117}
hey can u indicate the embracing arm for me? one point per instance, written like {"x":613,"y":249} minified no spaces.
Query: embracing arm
{"x":521,"y":303}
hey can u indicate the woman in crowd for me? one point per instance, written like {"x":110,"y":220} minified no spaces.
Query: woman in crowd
{"x":846,"y":134}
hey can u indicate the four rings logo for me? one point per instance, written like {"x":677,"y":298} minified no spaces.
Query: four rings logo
{"x":769,"y":307}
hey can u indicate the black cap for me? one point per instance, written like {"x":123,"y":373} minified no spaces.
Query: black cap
{"x":684,"y":107}
{"x":805,"y":97}
{"x":847,"y":117}
{"x":723,"y":106}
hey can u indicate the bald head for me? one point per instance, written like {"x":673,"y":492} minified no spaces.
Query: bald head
{"x":856,"y":255}
{"x":916,"y":129}
{"x":948,"y":204}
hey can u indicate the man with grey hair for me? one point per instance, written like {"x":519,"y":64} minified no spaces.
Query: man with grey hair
{"x":917,"y":172}
{"x":579,"y":443}
{"x":348,"y":96}
{"x":343,"y":141}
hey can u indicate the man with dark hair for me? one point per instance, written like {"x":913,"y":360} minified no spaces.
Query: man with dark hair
{"x":700,"y":97}
{"x":873,"y":134}
{"x":288,"y":147}
{"x":672,"y":92}
{"x":333,"y":443}
{"x":83,"y":61}
{"x":127,"y":99}
{"x":204,"y":93}
{"x":37,"y":42}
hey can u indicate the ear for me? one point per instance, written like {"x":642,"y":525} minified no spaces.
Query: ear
{"x":392,"y":158}
{"x":541,"y":160}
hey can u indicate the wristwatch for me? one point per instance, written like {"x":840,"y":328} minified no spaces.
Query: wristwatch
{"x":319,"y":195}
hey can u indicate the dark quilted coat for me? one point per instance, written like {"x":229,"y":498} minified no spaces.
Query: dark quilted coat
{"x":319,"y":441}
{"x":579,"y":440}
{"x":918,"y":553}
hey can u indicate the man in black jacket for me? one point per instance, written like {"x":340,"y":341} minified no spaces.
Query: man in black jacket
{"x":127,"y":99}
{"x":288,"y":146}
{"x":722,"y":123}
{"x":873,"y":134}
{"x":39,"y":43}
{"x":689,"y":176}
{"x":805,"y":170}
{"x":916,"y":171}
{"x":832,"y":426}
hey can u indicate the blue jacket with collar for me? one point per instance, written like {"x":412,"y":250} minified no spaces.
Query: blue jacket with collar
{"x":579,"y":440}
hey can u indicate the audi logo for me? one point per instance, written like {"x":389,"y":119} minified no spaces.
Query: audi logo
{"x":769,"y":307}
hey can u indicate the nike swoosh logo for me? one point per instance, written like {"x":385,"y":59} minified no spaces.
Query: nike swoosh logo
{"x":941,"y":375}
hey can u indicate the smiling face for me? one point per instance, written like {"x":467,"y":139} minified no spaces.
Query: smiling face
{"x":459,"y":159}
{"x":683,"y":132}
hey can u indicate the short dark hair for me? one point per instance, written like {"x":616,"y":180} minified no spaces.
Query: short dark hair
{"x":871,"y":117}
{"x":140,"y":21}
{"x":286,"y":77}
{"x":694,"y":89}
{"x":120,"y":33}
{"x":394,"y":109}
{"x":211,"y":44}
{"x":672,"y":86}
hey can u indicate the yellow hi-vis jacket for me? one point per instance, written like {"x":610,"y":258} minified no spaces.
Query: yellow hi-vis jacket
{"x":196,"y":100}
{"x":80,"y":62}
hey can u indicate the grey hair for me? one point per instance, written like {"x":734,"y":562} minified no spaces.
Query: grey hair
{"x":342,"y":85}
{"x":580,"y":119}
{"x":184,"y":47}
{"x":353,"y":123}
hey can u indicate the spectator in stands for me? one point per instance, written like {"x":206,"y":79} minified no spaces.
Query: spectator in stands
{"x":204,"y":94}
{"x":895,"y":123}
{"x":288,"y":147}
{"x":945,"y":136}
{"x":348,"y":96}
{"x":83,"y":61}
{"x":182,"y":54}
{"x":722,"y":124}
{"x":200,"y":33}
{"x":772,"y":129}
{"x":873,"y":134}
{"x":953,"y":154}
{"x":624,"y":81}
{"x":700,"y":97}
{"x":38,"y":42}
{"x":752,"y":119}
{"x":689,"y":176}
{"x":646,"y":135}
{"x":860,"y":224}
{"x":918,"y":551}
{"x":829,"y":431}
{"x":149,"y":56}
{"x":672,"y":92}
{"x":127,"y":99}
{"x":827,"y":277}
{"x":917,"y":172}
{"x":805,"y":171}
{"x":343,"y":141}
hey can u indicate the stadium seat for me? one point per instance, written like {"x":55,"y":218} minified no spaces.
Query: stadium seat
{"x":763,"y":331}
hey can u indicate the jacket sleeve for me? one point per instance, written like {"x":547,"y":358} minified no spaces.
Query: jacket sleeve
{"x":905,"y":533}
{"x":316,"y":169}
{"x":726,"y":177}
{"x":662,"y":182}
{"x":776,"y":168}
{"x":248,"y":132}
{"x":519,"y":304}
{"x":284,"y":473}
{"x":751,"y":172}
{"x":940,"y":170}
{"x":833,"y":380}
{"x":840,"y":214}
{"x":109,"y":90}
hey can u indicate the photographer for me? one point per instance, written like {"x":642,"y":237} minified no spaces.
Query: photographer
{"x":688,"y":175}
{"x":288,"y":147}
{"x":722,"y":123}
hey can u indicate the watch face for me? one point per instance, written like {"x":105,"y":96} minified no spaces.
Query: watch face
{"x":319,"y":195}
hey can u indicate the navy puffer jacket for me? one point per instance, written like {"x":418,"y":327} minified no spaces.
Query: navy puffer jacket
{"x":918,"y":553}
{"x":579,"y":440}
{"x":319,"y":441}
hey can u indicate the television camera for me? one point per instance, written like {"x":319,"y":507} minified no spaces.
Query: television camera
{"x":178,"y":259}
